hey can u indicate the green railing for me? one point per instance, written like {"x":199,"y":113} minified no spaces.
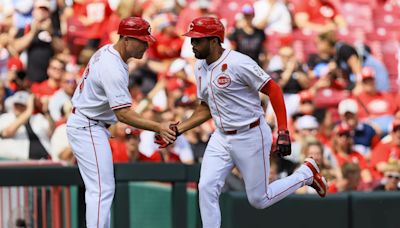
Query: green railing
{"x":345,"y":210}
{"x":177,"y":174}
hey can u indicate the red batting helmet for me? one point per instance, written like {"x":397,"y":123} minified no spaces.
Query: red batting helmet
{"x":206,"y":27}
{"x":137,"y":28}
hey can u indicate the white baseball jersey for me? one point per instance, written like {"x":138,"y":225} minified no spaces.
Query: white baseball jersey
{"x":103,"y":87}
{"x":230,"y":87}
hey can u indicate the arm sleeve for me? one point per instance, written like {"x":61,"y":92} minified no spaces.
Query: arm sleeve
{"x":115,"y":84}
{"x":274,"y":92}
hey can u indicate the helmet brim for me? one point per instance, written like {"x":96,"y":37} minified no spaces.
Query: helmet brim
{"x":146,"y":38}
{"x":194,"y":34}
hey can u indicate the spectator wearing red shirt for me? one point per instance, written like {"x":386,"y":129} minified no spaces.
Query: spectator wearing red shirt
{"x":373,"y":105}
{"x":55,"y":70}
{"x":317,"y":16}
{"x":386,"y":151}
{"x":168,"y":42}
{"x":342,"y":146}
{"x":95,"y":17}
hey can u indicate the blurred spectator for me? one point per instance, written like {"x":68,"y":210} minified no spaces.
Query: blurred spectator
{"x":168,"y":42}
{"x":288,"y":73}
{"x":246,"y":38}
{"x":64,"y":94}
{"x":24,"y":135}
{"x":307,"y":126}
{"x":313,"y":148}
{"x":132,"y":139}
{"x":272,"y":16}
{"x":45,"y":89}
{"x":60,"y":148}
{"x":364,"y":136}
{"x":38,"y":42}
{"x":385,"y":151}
{"x":94,"y":16}
{"x":342,"y":146}
{"x":349,"y":181}
{"x":317,"y":16}
{"x":391,"y":178}
{"x":118,"y":141}
{"x":374,"y":106}
{"x":339,"y":54}
{"x":382,"y":82}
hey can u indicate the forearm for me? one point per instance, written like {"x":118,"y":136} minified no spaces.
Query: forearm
{"x":12,"y":129}
{"x":23,"y":43}
{"x":130,"y":117}
{"x":274,"y":92}
{"x":200,"y":115}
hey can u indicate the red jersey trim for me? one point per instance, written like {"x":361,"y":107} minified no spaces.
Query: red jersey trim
{"x":121,"y":106}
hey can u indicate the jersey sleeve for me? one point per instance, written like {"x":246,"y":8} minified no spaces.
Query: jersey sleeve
{"x":115,"y":84}
{"x":251,"y":74}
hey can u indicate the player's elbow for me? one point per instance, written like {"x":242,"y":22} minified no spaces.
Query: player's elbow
{"x":122,"y":114}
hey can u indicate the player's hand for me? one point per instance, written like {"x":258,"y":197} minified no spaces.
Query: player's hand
{"x":283,"y":144}
{"x":166,"y":133}
{"x":163,"y":143}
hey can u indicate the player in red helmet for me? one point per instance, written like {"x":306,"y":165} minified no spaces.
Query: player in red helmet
{"x":102,"y":98}
{"x":228,"y":86}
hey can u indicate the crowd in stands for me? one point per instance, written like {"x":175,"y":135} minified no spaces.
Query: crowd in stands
{"x":335,"y":60}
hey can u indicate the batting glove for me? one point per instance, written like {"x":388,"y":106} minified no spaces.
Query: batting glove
{"x":283,"y":145}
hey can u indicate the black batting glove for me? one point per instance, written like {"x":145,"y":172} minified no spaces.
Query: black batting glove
{"x":283,"y":144}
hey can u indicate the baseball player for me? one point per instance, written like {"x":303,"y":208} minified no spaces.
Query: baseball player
{"x":228,"y":83}
{"x":102,"y":98}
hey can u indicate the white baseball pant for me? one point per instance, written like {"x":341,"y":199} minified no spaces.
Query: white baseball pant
{"x":90,"y":145}
{"x":249,"y":151}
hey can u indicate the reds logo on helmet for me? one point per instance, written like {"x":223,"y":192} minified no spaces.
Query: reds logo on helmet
{"x":222,"y":81}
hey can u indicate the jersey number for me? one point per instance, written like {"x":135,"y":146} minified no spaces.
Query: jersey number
{"x":85,"y":75}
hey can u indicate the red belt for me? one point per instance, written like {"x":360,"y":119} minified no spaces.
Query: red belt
{"x":252,"y":125}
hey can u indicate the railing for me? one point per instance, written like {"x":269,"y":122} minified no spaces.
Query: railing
{"x":13,"y":174}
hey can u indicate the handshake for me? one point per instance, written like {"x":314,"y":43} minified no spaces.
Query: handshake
{"x":161,"y":142}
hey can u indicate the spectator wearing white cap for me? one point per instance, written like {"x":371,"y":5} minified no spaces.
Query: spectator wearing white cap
{"x":307,"y":126}
{"x":24,"y":135}
{"x":364,"y":136}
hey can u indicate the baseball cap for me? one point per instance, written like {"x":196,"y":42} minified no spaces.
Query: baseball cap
{"x":306,"y":122}
{"x":341,"y":128}
{"x":348,"y":105}
{"x":367,"y":73}
{"x":20,"y":97}
{"x":247,"y":9}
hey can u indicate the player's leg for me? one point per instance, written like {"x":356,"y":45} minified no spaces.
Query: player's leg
{"x":216,"y":165}
{"x":93,"y":153}
{"x":250,"y":153}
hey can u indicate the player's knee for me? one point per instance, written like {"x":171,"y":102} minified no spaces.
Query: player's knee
{"x":257,"y":202}
{"x":207,"y":187}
